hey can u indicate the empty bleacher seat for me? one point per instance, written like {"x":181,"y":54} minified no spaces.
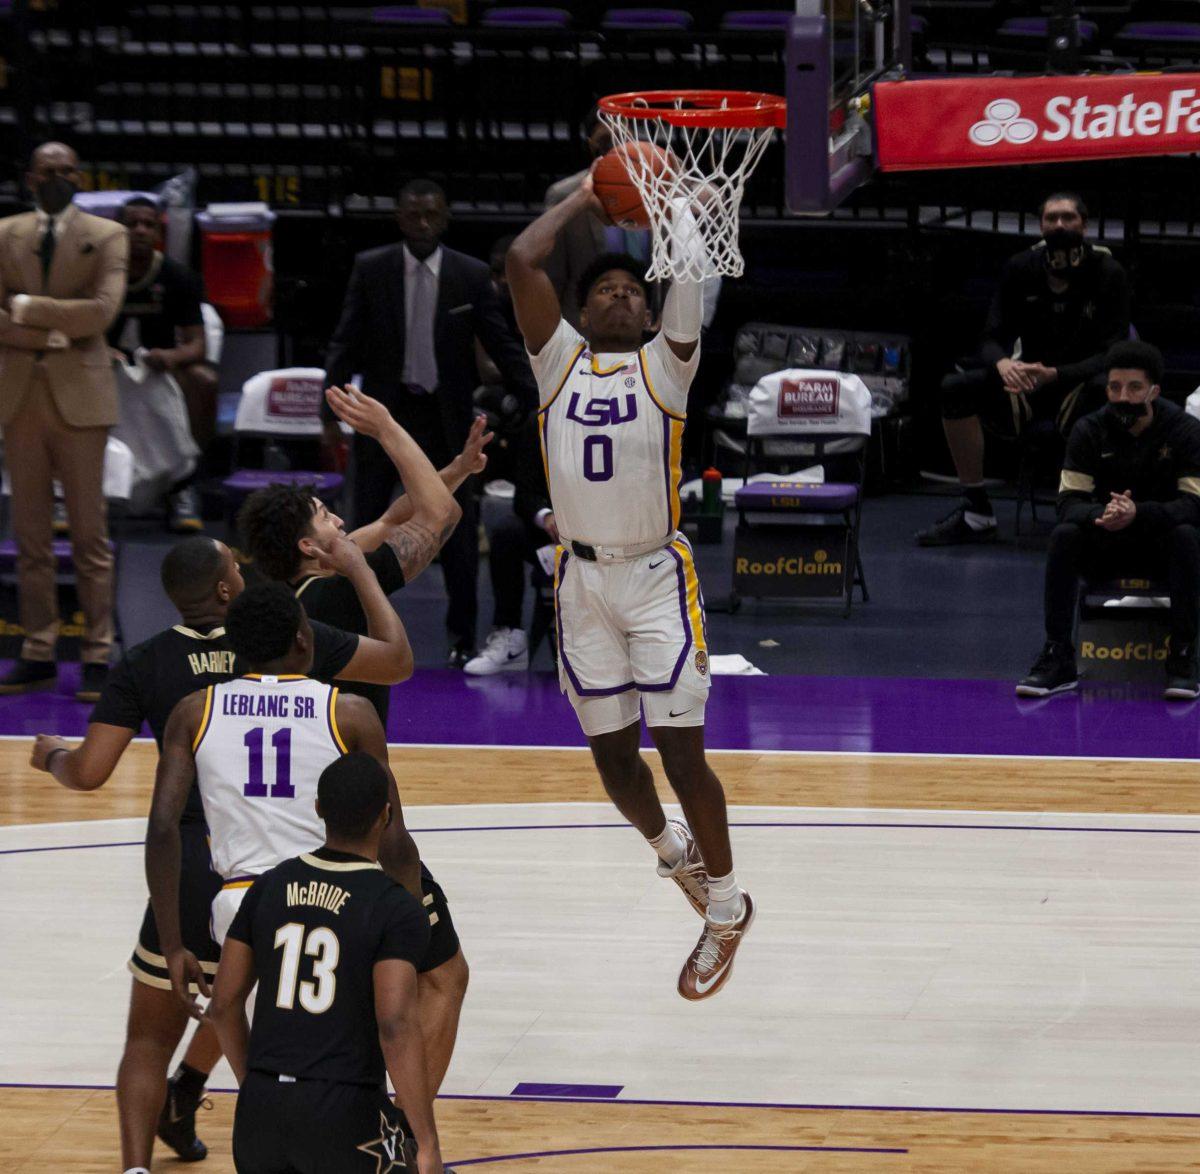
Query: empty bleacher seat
{"x":647,"y":20}
{"x":1159,"y":40}
{"x":410,"y":14}
{"x":756,"y":19}
{"x":527,"y":17}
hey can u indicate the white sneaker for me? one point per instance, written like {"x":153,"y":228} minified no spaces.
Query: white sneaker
{"x":506,"y":651}
{"x":689,"y":874}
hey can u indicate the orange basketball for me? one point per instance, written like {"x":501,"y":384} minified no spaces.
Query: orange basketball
{"x":615,"y":189}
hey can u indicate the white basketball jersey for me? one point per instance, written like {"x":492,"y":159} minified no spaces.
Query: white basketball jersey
{"x":612,"y":438}
{"x":261,"y":747}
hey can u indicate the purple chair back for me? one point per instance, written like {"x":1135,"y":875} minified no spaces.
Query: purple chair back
{"x":756,"y":19}
{"x":647,"y":19}
{"x":526,"y":17}
{"x":410,"y":14}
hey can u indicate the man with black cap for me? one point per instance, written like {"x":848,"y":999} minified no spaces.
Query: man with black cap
{"x":1059,"y":307}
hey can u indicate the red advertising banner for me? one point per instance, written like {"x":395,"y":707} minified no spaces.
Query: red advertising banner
{"x":991,"y":121}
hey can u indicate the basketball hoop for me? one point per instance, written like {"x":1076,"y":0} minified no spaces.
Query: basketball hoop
{"x":703,"y":145}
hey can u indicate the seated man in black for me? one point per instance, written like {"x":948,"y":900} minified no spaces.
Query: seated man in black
{"x":1129,"y":502}
{"x":161,"y":315}
{"x":1060,"y":305}
{"x":513,"y":543}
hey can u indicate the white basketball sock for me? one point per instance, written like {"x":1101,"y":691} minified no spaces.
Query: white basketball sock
{"x":669,"y":845}
{"x":724,"y":898}
{"x":137,"y":1170}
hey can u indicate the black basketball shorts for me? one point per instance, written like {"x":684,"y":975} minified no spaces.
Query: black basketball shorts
{"x":443,"y":937}
{"x":316,"y":1127}
{"x":198,"y":884}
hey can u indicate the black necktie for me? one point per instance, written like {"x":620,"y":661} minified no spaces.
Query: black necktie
{"x":46,"y":249}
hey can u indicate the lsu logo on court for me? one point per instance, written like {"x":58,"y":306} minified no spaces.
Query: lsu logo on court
{"x":808,"y":399}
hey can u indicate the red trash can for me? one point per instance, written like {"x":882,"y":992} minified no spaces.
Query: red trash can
{"x":237,"y":263}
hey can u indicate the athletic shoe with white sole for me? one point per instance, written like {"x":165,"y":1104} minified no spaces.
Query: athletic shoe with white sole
{"x":1054,"y":671}
{"x":711,"y":962}
{"x":506,"y":651}
{"x":689,"y":874}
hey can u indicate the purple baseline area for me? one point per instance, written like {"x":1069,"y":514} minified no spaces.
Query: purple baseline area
{"x":889,"y":715}
{"x":672,"y":1149}
{"x":566,"y":1091}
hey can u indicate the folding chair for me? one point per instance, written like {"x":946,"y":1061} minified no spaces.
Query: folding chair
{"x":794,"y":538}
{"x":281,"y":411}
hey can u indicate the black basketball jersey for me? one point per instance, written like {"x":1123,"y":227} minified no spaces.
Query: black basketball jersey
{"x":317,"y":924}
{"x":333,"y":600}
{"x":154,"y":676}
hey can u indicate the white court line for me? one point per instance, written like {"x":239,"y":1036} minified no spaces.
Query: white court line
{"x":735,"y":750}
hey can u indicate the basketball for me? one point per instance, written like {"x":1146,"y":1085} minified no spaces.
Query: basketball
{"x":616,"y":191}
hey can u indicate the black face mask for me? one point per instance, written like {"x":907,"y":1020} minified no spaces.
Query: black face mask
{"x":1125,"y":415}
{"x":54,"y":194}
{"x":1065,"y":250}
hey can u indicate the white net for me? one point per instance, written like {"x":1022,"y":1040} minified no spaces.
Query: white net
{"x":691,"y":176}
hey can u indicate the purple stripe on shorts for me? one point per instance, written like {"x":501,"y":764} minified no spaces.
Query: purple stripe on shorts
{"x":681,"y":579}
{"x":529,"y":1089}
{"x":562,"y":646}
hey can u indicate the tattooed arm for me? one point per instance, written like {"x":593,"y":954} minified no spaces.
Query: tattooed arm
{"x":435,"y":513}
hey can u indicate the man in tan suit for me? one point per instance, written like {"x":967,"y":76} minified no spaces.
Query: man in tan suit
{"x":62,"y":281}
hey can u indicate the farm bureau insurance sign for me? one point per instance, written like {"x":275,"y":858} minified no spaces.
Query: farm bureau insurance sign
{"x":980,"y":122}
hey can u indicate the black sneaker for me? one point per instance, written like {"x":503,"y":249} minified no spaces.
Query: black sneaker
{"x":27,"y":676}
{"x":1182,"y":684}
{"x":177,"y":1123}
{"x":1053,"y":672}
{"x":91,"y":682}
{"x":459,"y":655}
{"x":954,"y":530}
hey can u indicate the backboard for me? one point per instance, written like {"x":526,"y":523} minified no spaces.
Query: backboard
{"x":836,"y":49}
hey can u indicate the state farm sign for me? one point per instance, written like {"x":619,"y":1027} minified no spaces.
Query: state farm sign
{"x":979,"y":122}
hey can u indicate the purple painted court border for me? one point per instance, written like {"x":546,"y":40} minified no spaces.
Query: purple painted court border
{"x":863,"y":715}
{"x":442,"y":1096}
{"x":570,"y":827}
{"x":566,"y":1091}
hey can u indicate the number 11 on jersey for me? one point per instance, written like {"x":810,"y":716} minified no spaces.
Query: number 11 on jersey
{"x":281,"y":743}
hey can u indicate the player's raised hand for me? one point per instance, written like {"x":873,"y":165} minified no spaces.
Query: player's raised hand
{"x":364,"y":414}
{"x":473,"y":459}
{"x":43,"y":746}
{"x":340,"y":555}
{"x":185,"y":970}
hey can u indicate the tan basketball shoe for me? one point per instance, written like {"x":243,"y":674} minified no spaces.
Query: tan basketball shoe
{"x":711,"y":963}
{"x":689,"y":874}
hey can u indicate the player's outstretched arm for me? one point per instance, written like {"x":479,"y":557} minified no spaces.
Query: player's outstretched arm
{"x":534,"y":298}
{"x":435,"y":513}
{"x":360,"y":729}
{"x":395,"y":983}
{"x":176,"y":771}
{"x":471,"y":460}
{"x":384,"y":656}
{"x":85,"y":766}
{"x":232,"y":985}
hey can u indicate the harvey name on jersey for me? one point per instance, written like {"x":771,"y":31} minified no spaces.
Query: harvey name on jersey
{"x":612,"y":435}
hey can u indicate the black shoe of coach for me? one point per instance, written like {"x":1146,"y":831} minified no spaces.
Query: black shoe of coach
{"x":1053,"y":672}
{"x":27,"y":676}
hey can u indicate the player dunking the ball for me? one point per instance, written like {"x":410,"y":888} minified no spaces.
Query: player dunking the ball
{"x":630,"y":612}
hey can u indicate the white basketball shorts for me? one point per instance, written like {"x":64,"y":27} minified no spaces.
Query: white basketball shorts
{"x":225,"y":906}
{"x":632,"y":635}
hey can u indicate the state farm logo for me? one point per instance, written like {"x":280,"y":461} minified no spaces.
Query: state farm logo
{"x":806,"y":399}
{"x":1080,"y":118}
{"x":1002,"y":123}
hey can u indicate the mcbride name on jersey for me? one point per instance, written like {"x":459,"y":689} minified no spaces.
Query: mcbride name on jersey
{"x":612,"y":437}
{"x":317,"y":925}
{"x":260,"y":749}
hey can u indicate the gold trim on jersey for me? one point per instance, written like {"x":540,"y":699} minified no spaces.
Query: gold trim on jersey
{"x":333,"y":725}
{"x":650,"y":388}
{"x":238,"y":884}
{"x":1075,"y":482}
{"x":260,"y":677}
{"x":306,"y":585}
{"x":565,"y":376}
{"x":692,"y":585}
{"x":675,"y":459}
{"x":205,"y":719}
{"x":621,"y":363}
{"x":340,"y":865}
{"x":215,"y":634}
{"x":1189,"y":485}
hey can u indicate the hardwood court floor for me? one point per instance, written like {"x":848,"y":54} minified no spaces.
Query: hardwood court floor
{"x":68,"y":1129}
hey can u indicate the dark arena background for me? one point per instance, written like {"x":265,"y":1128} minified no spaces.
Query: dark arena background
{"x":978,"y":903}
